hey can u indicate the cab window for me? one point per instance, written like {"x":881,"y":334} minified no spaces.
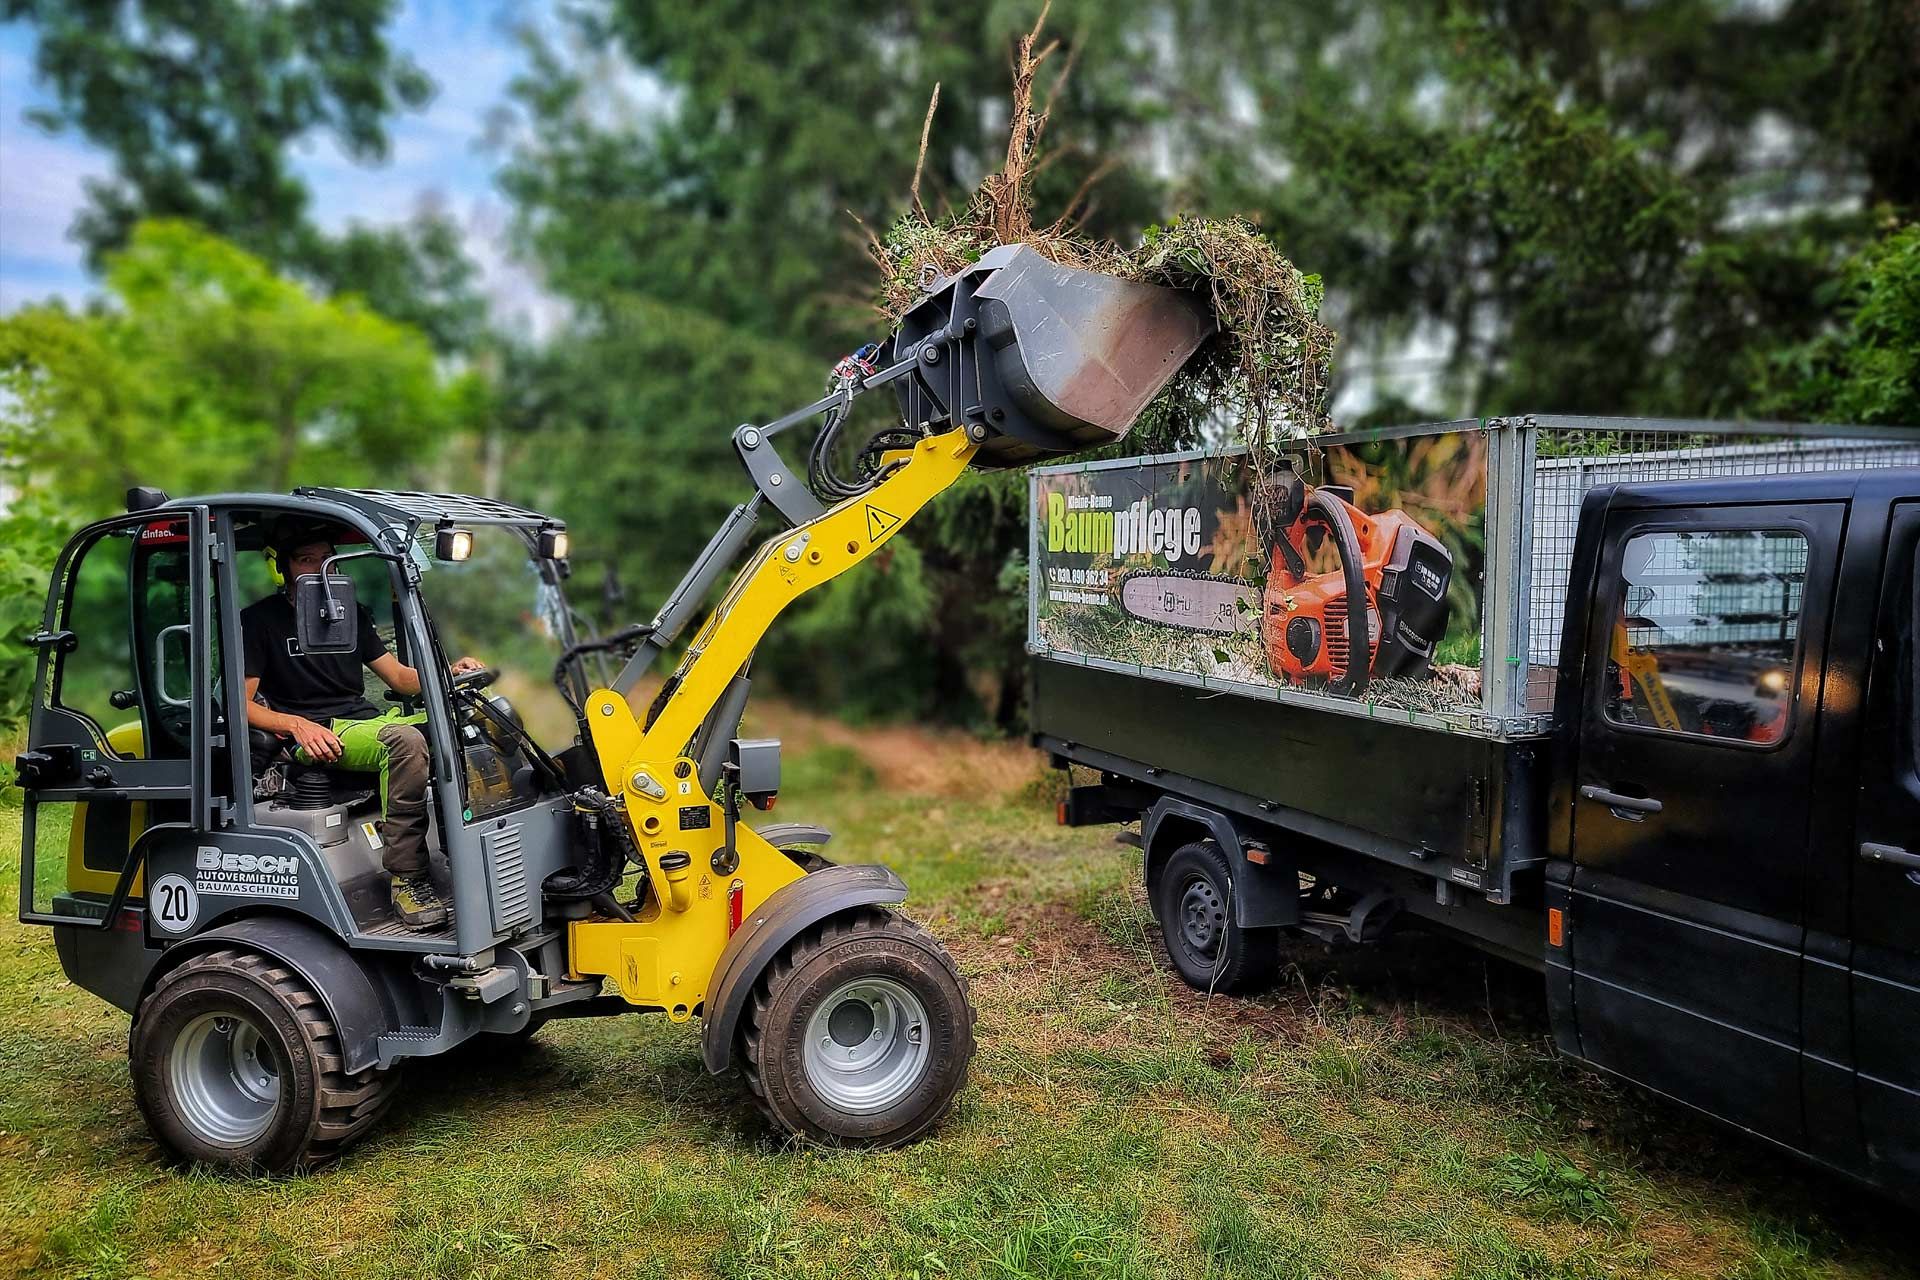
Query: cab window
{"x":130,"y":672}
{"x":1706,"y":633}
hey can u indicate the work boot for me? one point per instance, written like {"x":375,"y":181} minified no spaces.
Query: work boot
{"x":417,"y":903}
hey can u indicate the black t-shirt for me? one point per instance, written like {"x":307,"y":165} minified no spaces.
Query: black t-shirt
{"x":319,"y":686}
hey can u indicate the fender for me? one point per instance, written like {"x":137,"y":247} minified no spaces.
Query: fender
{"x":791,"y":911}
{"x":352,"y":1001}
{"x":1263,"y":896}
{"x":784,"y":835}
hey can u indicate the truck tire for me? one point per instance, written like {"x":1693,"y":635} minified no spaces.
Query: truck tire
{"x":859,"y":1033}
{"x":236,"y":1066}
{"x":1192,"y":897}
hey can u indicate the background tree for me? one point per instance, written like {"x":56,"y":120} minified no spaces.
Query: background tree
{"x":1865,"y":366}
{"x":204,"y":371}
{"x":715,"y":252}
{"x":207,"y":371}
{"x":198,"y":103}
{"x":1603,"y":208}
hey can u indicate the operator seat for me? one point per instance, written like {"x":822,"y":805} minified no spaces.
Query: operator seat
{"x":306,"y":785}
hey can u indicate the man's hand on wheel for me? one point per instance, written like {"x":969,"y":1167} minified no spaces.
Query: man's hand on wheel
{"x":463,"y":665}
{"x":316,"y":740}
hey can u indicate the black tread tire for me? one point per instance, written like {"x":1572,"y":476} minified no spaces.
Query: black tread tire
{"x":322,"y":1110}
{"x":869,"y":940}
{"x":1245,"y":960}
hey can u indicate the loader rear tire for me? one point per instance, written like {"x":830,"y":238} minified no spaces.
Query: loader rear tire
{"x":859,"y":1033}
{"x":1193,"y":901}
{"x":236,"y":1066}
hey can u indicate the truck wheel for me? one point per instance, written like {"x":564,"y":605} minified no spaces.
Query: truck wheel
{"x":859,"y":1033}
{"x":236,"y":1065}
{"x":1192,"y":899}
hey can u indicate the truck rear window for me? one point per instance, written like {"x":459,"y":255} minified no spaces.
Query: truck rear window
{"x":1706,"y":633}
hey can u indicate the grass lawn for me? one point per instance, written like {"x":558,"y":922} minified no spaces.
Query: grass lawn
{"x":1387,"y":1112}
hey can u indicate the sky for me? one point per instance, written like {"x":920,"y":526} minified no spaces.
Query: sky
{"x":436,"y":155}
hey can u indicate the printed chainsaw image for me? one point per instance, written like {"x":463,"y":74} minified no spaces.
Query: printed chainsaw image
{"x":1385,"y":596}
{"x":294,"y":892}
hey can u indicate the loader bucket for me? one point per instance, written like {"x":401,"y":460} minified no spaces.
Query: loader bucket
{"x":1039,"y":360}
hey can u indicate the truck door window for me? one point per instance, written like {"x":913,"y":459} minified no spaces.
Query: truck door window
{"x":1706,"y":633}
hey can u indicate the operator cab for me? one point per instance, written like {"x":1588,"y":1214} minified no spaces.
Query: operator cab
{"x":138,"y":731}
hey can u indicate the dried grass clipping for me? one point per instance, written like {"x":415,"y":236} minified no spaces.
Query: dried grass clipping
{"x":1264,"y":375}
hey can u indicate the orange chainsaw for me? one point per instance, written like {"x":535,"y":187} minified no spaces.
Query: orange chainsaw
{"x":1385,"y":598}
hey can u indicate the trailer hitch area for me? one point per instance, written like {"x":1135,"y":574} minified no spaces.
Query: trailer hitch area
{"x":1367,"y":920}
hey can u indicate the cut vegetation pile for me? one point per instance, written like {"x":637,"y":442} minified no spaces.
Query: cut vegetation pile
{"x":1265,"y":373}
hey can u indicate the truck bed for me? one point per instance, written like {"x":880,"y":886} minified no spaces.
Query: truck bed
{"x":1457,"y":808}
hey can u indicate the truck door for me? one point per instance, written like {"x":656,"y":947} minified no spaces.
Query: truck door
{"x":121,"y":724}
{"x":1705,"y":649}
{"x":1885,"y":902}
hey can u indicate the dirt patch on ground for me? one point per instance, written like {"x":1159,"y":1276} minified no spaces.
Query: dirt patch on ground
{"x":904,"y":758}
{"x":1050,"y":937}
{"x":910,"y":759}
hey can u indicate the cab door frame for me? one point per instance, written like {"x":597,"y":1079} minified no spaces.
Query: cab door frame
{"x":67,"y":758}
{"x":1873,"y":1083}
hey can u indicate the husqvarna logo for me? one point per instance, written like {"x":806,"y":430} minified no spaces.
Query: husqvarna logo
{"x":244,"y":863}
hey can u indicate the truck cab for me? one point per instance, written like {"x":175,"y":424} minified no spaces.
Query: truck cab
{"x":1734,"y":894}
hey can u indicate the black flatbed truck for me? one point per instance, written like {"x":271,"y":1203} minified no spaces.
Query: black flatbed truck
{"x":1730,"y":921}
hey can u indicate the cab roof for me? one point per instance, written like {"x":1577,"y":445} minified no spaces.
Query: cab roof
{"x":405,"y":506}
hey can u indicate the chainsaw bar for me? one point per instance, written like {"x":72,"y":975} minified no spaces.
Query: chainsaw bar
{"x":1191,"y":601}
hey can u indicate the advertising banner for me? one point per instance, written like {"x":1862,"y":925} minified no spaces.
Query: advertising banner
{"x":1348,"y":570}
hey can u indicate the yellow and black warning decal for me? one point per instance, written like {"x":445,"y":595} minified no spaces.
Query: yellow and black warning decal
{"x":880,"y":523}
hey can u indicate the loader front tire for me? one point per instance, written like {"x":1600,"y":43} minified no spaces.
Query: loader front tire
{"x":236,"y":1066}
{"x":859,"y":1033}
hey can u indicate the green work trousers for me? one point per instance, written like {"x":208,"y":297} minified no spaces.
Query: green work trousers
{"x":392,"y":746}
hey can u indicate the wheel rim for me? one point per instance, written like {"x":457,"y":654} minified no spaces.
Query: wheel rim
{"x":1203,"y":916}
{"x":866,"y":1045}
{"x":224,"y":1082}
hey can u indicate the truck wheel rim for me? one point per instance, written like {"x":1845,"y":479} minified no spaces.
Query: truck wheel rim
{"x":866,"y":1045}
{"x":224,"y":1082}
{"x":1202,"y":916}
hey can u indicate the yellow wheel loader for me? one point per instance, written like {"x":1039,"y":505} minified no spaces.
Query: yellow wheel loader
{"x":228,"y":890}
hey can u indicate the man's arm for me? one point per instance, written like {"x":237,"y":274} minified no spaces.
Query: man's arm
{"x":315,"y":739}
{"x":404,"y":680}
{"x":396,"y":675}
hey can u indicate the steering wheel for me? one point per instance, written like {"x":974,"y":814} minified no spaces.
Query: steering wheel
{"x":476,"y":679}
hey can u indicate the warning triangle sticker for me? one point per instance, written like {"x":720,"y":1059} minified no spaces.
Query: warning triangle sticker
{"x":879,"y":523}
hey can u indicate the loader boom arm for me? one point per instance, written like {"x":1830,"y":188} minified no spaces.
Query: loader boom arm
{"x":1009,"y":360}
{"x":785,"y":567}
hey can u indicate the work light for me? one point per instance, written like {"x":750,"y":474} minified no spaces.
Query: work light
{"x":553,"y":544}
{"x":452,"y":544}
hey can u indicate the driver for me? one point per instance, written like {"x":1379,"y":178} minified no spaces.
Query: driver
{"x":318,"y":700}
